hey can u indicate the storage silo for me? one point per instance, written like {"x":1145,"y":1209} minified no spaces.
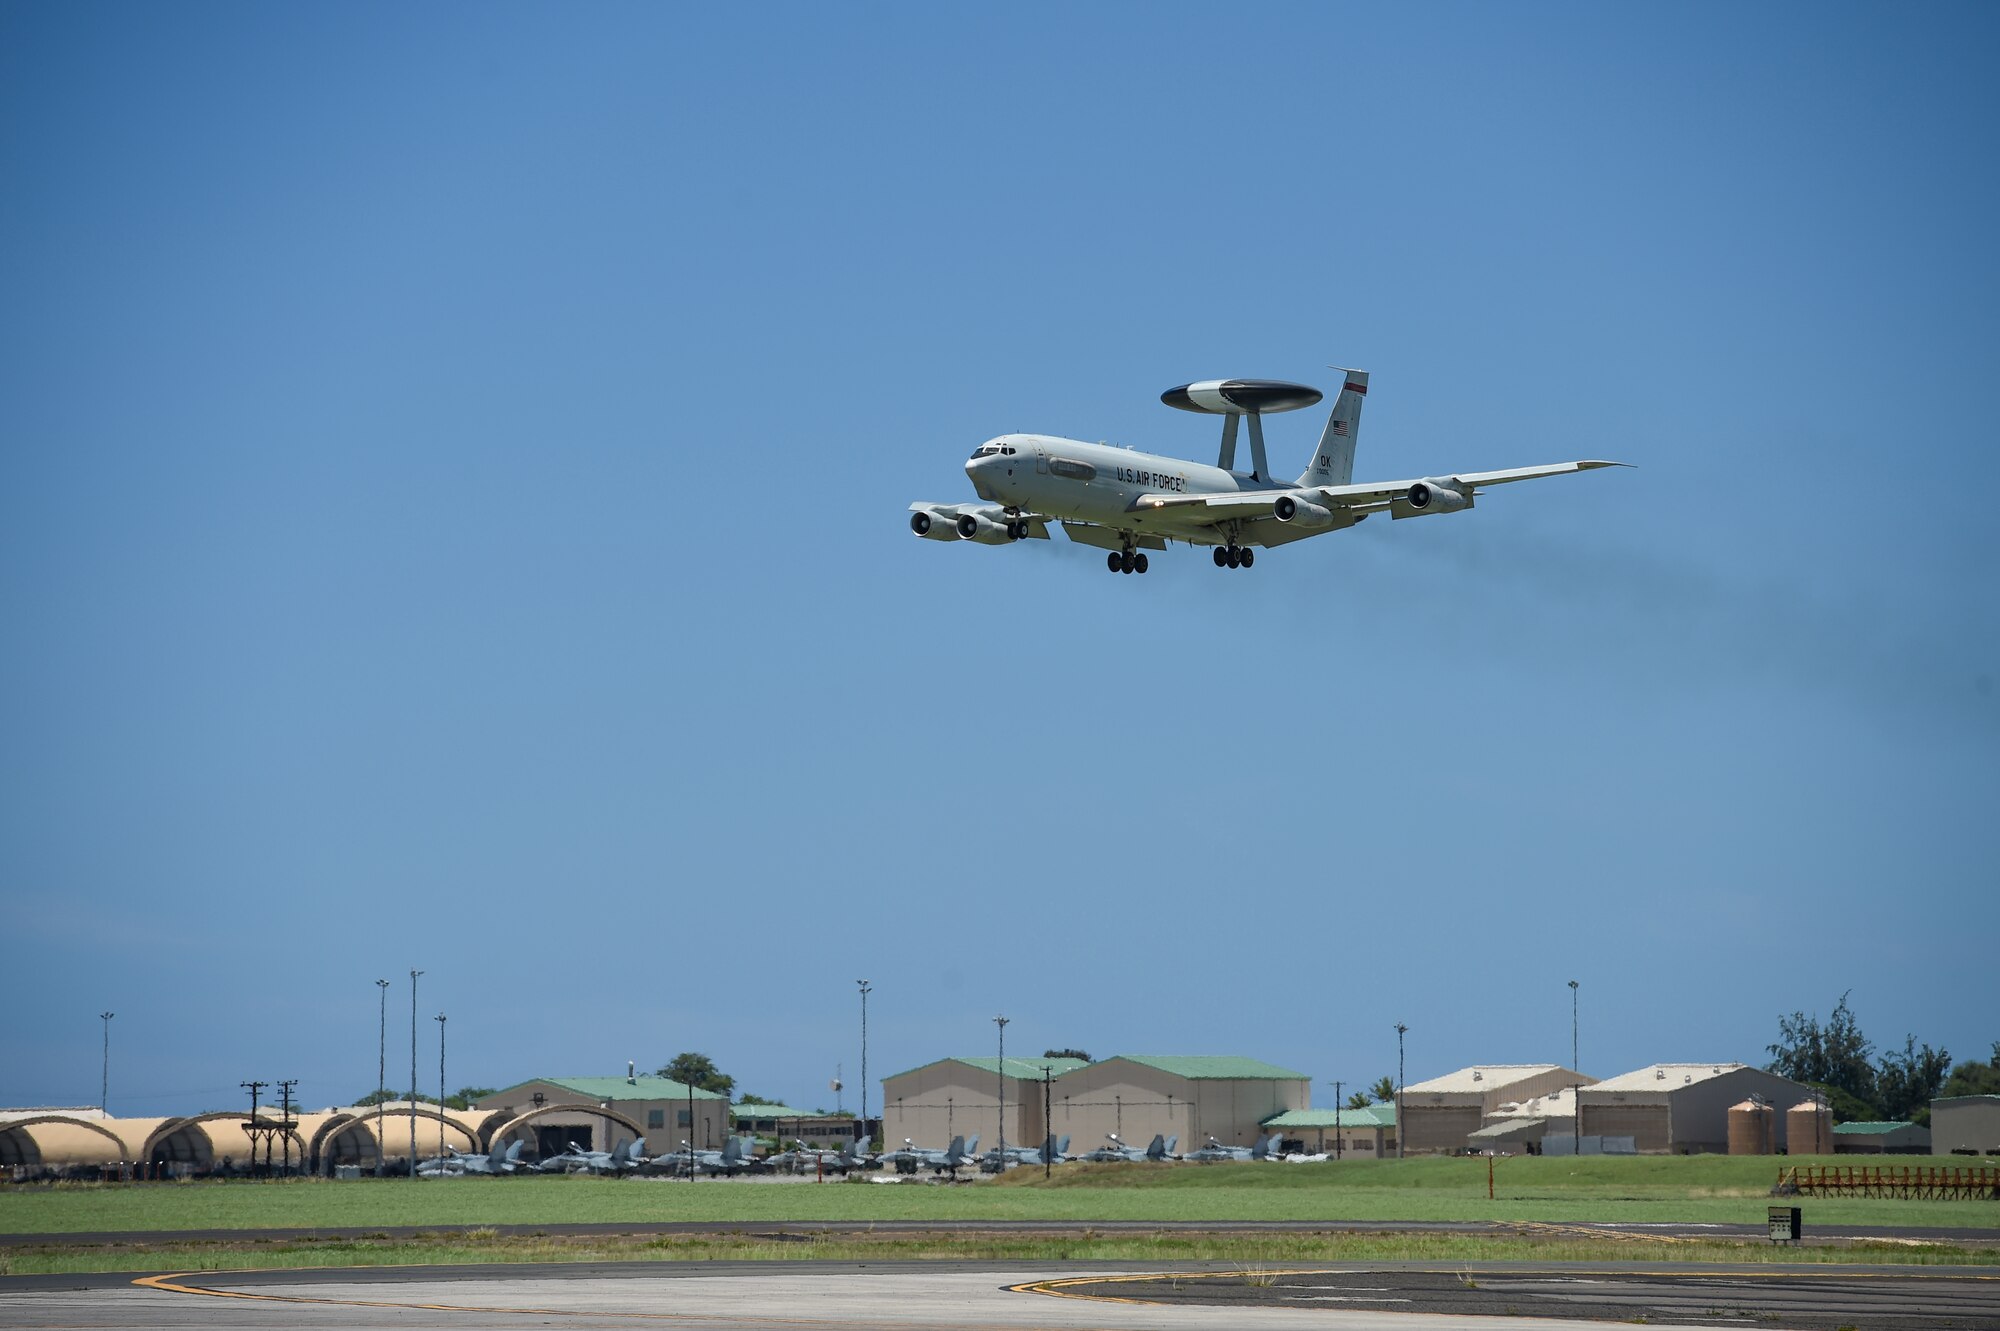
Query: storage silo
{"x":1750,"y":1125}
{"x":1809,"y":1128}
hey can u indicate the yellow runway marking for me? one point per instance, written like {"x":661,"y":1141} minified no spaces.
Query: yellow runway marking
{"x":170,"y":1283}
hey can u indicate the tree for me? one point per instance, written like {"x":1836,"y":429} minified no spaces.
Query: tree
{"x":698,"y":1071}
{"x":1974,"y":1078}
{"x":748,"y":1099}
{"x":465,"y":1096}
{"x":394,"y":1097}
{"x":1845,"y":1108}
{"x":1906,"y":1083}
{"x":1359,"y":1100}
{"x":1066,"y":1053}
{"x":1834,"y":1055}
{"x":1383,"y":1091}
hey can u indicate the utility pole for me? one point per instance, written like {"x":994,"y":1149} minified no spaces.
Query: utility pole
{"x":440,"y":1022}
{"x":1402,"y":1128}
{"x":381,"y":1068}
{"x":104,"y":1086}
{"x":1336,"y":1121}
{"x":1000,"y":1088}
{"x":1048,"y":1120}
{"x":866,"y":989}
{"x":1572,"y":1028}
{"x":253,"y":1087}
{"x":285,"y":1117}
{"x":413,"y":1074}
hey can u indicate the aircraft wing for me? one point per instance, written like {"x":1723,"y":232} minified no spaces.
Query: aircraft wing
{"x":1382,"y":492}
{"x":1368,"y":498}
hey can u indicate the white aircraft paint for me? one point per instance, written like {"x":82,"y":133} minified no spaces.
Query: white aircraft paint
{"x":1126,"y":501}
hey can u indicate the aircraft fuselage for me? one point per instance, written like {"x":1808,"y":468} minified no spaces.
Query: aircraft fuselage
{"x":1097,"y":483}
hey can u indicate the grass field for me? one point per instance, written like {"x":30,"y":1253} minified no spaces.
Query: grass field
{"x":1260,"y":1251}
{"x":1701,"y":1189}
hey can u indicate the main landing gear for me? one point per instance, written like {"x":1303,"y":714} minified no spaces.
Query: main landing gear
{"x":1126,"y":561}
{"x":1234,"y":556}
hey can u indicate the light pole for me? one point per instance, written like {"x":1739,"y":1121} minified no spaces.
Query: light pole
{"x":381,"y":1067}
{"x":1336,"y":1121}
{"x":104,"y":1085}
{"x":866,"y":988}
{"x":1572,"y":1028}
{"x":440,"y":1022}
{"x":1402,"y":1128}
{"x":413,"y":1073}
{"x":1000,"y":1087}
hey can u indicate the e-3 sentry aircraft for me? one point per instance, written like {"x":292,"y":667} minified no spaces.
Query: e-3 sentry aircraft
{"x":1128,"y":502}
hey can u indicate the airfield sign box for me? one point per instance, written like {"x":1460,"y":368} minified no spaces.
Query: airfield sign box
{"x":1784,"y":1224}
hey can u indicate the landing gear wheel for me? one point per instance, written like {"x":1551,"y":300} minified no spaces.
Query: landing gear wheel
{"x":1126,"y":562}
{"x":1017,"y":531}
{"x":1139,"y":562}
{"x":1235,"y":557}
{"x":1221,"y":557}
{"x":1112,"y":561}
{"x":1249,"y":556}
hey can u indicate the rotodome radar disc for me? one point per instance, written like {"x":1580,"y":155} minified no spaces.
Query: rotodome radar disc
{"x":1236,"y":397}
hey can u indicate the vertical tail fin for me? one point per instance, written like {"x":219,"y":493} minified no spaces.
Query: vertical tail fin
{"x":1333,"y":462}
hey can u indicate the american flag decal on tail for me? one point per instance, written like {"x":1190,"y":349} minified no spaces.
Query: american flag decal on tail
{"x":1340,"y":428}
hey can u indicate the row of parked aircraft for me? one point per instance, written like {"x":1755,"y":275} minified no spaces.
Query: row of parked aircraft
{"x":737,"y":1156}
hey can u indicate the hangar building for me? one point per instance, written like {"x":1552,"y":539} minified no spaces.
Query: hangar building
{"x":953,"y":1097}
{"x":1966,"y":1125}
{"x":598,"y":1113}
{"x":1133,"y":1095}
{"x":1441,"y":1114}
{"x":84,"y":1141}
{"x":1683,"y":1108}
{"x":1189,"y":1096}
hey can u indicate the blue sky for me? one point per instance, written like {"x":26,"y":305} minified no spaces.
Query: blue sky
{"x":452,"y":473}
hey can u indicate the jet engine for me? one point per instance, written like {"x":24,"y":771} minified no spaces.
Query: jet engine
{"x":973,"y":527}
{"x":933,"y":526}
{"x":1300,"y":512}
{"x":1436,"y":496}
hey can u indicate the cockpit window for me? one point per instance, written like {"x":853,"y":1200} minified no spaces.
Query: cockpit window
{"x":985,"y":450}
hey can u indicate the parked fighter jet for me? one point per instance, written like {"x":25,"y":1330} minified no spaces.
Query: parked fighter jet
{"x":1161,"y":1148}
{"x":619,"y":1160}
{"x":1128,"y":503}
{"x":736,"y":1157}
{"x":454,"y":1163}
{"x":1265,"y":1149}
{"x":913,"y":1157}
{"x":1051,"y":1152}
{"x":804,"y":1159}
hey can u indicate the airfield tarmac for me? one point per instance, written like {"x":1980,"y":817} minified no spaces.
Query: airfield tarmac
{"x":941,"y":1296}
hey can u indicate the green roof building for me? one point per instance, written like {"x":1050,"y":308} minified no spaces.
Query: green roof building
{"x":1866,"y":1138}
{"x":1134,"y":1096}
{"x":598,"y":1113}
